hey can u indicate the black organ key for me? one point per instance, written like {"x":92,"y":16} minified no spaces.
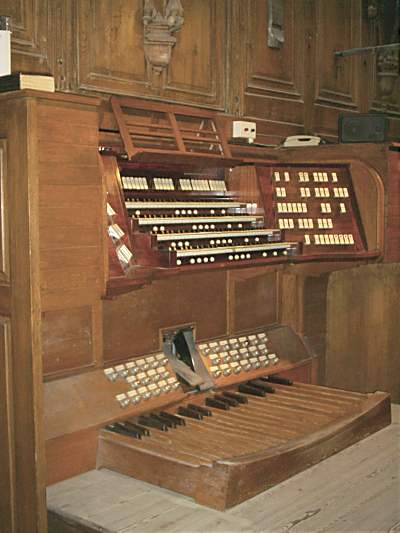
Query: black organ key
{"x":140,"y":429}
{"x":261,"y":385}
{"x":151,"y":422}
{"x":190,"y":413}
{"x":200,"y":409}
{"x":119,"y":428}
{"x":230,"y":401}
{"x":176,"y":419}
{"x":278,"y":380}
{"x":212,"y":402}
{"x":169,"y":423}
{"x":235,"y":396}
{"x":249,"y":389}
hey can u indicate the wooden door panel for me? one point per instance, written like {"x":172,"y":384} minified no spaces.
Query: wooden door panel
{"x":337,"y":27}
{"x":110,"y":52}
{"x":271,"y":79}
{"x":32,"y":37}
{"x":7,"y":459}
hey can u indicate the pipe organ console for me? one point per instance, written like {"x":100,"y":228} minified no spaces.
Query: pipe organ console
{"x":221,"y":419}
{"x":167,"y":313}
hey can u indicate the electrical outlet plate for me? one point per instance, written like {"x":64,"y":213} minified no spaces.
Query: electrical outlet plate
{"x":244,"y":130}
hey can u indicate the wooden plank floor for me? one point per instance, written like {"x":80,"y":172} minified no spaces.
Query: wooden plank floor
{"x":357,"y":490}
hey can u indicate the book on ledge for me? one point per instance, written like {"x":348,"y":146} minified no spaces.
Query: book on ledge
{"x":18,"y":81}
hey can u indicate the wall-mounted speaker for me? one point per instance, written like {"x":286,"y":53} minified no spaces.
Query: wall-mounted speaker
{"x":363,"y":128}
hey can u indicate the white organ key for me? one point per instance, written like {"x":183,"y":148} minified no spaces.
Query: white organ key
{"x":277,"y":176}
{"x":351,"y":239}
{"x":342,"y":207}
{"x":334,"y":177}
{"x":287,"y":176}
{"x":307,"y":239}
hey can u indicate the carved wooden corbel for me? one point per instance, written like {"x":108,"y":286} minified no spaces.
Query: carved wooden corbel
{"x":158,"y":34}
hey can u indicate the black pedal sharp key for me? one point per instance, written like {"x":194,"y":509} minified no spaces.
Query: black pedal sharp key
{"x":200,"y":409}
{"x":141,"y":429}
{"x":118,"y":428}
{"x":129,"y":431}
{"x":177,"y":419}
{"x":115,"y":429}
{"x":248,"y":389}
{"x":190,"y":413}
{"x":212,"y":402}
{"x":278,"y":380}
{"x":169,"y":423}
{"x":151,"y":422}
{"x":235,"y":396}
{"x":261,"y":384}
{"x":133,"y":422}
{"x":230,"y":401}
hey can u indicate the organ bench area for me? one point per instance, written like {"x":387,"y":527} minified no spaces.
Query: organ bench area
{"x":155,"y":311}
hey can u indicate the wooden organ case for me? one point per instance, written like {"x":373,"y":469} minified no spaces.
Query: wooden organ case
{"x":168,"y":345}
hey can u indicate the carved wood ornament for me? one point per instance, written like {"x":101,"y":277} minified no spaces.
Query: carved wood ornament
{"x":158,"y":34}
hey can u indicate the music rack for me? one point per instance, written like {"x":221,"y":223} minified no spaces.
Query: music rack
{"x":157,"y":133}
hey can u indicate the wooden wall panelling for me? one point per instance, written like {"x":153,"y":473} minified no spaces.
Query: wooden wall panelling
{"x":337,"y":81}
{"x":110,"y":56}
{"x":23,"y":486}
{"x":7,"y":457}
{"x":133,"y":321}
{"x":252,"y":299}
{"x":32,"y":35}
{"x":362,"y":333}
{"x":72,"y":225}
{"x":4,"y":217}
{"x":268,"y":83}
{"x":392,"y":241}
{"x":291,"y":306}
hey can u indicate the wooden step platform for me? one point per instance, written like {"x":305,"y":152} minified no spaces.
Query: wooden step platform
{"x":233,"y":455}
